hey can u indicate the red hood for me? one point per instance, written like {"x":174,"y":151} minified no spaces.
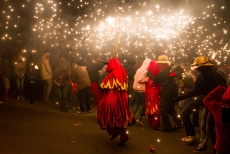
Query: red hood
{"x":117,"y":77}
{"x":226,"y":96}
{"x":155,"y":67}
{"x":113,"y":64}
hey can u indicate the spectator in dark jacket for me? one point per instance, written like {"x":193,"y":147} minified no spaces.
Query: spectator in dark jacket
{"x":81,"y":76}
{"x":60,"y":77}
{"x":169,"y":91}
{"x":207,"y":80}
{"x":32,"y":77}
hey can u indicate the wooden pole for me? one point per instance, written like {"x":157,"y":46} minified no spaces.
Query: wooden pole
{"x":117,"y":39}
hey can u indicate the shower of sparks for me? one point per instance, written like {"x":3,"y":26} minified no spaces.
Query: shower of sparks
{"x":145,"y":28}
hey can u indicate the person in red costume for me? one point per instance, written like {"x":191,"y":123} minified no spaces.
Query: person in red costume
{"x":216,"y":101}
{"x":113,"y":112}
{"x":152,"y":96}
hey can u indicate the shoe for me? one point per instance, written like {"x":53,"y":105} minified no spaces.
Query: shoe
{"x":167,"y":130}
{"x":123,"y":141}
{"x":18,"y":98}
{"x":22,"y":98}
{"x":198,"y":131}
{"x":6,"y":100}
{"x":89,"y":111}
{"x":141,"y":123}
{"x":177,"y":127}
{"x":133,"y":121}
{"x":190,"y":139}
{"x":47,"y":102}
{"x":81,"y":112}
{"x":200,"y":149}
{"x":113,"y":137}
{"x":156,"y":128}
{"x":184,"y":138}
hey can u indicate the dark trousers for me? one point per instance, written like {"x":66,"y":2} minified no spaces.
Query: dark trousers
{"x":139,"y":102}
{"x":192,"y":107}
{"x":84,"y":94}
{"x":167,"y":108}
{"x":207,"y":128}
{"x":118,"y":131}
{"x":20,"y":86}
{"x":32,"y":93}
{"x":62,"y":95}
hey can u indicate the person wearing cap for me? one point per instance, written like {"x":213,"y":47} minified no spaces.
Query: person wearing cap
{"x":169,"y":90}
{"x":206,"y":81}
{"x":46,"y":76}
{"x":191,"y":107}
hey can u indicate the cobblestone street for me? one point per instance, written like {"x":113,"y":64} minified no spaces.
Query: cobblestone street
{"x":42,"y":128}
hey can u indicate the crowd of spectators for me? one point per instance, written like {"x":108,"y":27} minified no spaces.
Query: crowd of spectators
{"x":154,"y":85}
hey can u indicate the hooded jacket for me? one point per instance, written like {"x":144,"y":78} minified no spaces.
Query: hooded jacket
{"x":117,"y":76}
{"x":140,"y":78}
{"x":214,"y":101}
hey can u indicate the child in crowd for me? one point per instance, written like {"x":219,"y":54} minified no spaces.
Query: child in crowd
{"x":32,"y":78}
{"x":74,"y":94}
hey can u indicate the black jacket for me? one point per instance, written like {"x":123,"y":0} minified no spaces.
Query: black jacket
{"x":207,"y":80}
{"x":168,"y":83}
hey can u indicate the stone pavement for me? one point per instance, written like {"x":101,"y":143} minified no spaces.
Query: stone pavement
{"x":43,"y":129}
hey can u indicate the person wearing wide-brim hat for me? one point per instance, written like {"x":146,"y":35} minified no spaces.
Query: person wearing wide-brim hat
{"x":201,"y":61}
{"x":169,"y":87}
{"x":206,"y":81}
{"x":163,"y":59}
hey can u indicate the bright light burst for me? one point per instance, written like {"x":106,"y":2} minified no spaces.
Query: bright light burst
{"x":145,"y":28}
{"x":94,"y":30}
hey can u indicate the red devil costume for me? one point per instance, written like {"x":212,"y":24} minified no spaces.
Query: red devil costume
{"x":152,"y":95}
{"x":215,"y":101}
{"x":113,"y":111}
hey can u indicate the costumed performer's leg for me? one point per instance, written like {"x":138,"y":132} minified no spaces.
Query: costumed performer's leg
{"x":156,"y":121}
{"x":123,"y":136}
{"x":112,"y":132}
